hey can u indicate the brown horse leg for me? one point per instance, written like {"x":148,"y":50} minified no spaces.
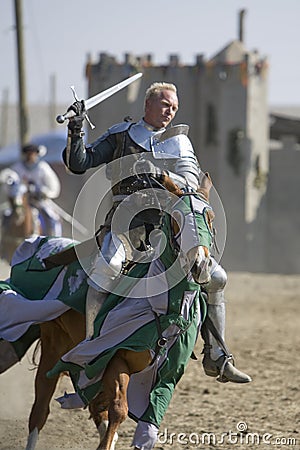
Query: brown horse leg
{"x":113,"y":398}
{"x":44,"y":390}
{"x":115,"y":382}
{"x":100,"y":418}
{"x":44,"y":387}
{"x":55,"y":341}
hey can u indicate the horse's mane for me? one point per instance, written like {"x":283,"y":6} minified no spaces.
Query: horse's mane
{"x":172,"y":187}
{"x":203,"y":189}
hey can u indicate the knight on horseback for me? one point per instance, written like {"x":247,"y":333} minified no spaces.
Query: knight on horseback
{"x":42,"y":185}
{"x":149,"y":138}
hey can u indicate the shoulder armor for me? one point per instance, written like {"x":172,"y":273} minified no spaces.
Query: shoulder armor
{"x":119,"y":127}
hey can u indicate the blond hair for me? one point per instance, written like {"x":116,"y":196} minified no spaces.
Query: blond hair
{"x":157,"y":87}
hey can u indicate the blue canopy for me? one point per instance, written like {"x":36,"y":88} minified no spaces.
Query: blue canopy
{"x":54,"y":141}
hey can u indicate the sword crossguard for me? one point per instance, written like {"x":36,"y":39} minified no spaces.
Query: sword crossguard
{"x":70,"y":114}
{"x":89,"y":121}
{"x":74,"y":93}
{"x":85,"y":114}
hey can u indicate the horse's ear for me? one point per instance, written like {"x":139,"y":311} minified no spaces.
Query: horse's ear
{"x":208,"y":178}
{"x":170,"y":185}
{"x":205,"y":186}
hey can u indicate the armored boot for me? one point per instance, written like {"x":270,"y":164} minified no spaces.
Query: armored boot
{"x":94,"y":302}
{"x":217,"y":361}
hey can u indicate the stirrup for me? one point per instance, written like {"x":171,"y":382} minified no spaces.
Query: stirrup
{"x":222,"y":378}
{"x":224,"y":370}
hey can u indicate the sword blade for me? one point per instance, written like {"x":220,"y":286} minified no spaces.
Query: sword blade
{"x":98,"y":98}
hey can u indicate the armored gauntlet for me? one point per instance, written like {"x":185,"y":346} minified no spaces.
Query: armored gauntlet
{"x":75,"y":123}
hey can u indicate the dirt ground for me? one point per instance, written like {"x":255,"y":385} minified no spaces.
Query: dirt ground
{"x":263,"y":334}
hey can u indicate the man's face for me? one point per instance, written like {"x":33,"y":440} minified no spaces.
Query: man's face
{"x":160,"y":110}
{"x":31,"y":157}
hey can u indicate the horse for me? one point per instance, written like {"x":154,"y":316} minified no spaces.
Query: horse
{"x":20,"y":220}
{"x":167,"y":335}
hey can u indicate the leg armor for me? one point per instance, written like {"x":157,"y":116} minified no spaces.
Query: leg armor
{"x":107,"y":266}
{"x":216,"y":361}
{"x":94,"y":301}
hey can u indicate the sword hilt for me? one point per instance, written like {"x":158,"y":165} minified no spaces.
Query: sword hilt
{"x":69,"y":114}
{"x":63,"y":117}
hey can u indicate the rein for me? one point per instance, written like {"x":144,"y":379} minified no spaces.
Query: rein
{"x":162,"y":341}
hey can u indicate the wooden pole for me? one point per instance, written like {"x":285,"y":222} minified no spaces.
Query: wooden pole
{"x":242,"y":13}
{"x":23,"y":114}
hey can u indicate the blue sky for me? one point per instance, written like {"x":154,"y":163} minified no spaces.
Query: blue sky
{"x":58,"y":35}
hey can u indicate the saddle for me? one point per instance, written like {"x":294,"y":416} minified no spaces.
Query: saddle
{"x":69,"y":255}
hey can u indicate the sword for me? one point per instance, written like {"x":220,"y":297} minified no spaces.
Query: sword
{"x":98,"y":98}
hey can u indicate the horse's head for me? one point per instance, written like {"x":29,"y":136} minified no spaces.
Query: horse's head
{"x":14,"y":188}
{"x":191,"y":222}
{"x":18,"y":220}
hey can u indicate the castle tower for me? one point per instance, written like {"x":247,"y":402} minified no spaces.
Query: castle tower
{"x":224,"y":101}
{"x":233,"y":144}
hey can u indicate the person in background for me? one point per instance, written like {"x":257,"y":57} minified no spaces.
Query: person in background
{"x":43,"y":185}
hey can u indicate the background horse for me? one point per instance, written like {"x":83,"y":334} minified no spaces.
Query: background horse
{"x":19,"y":220}
{"x":109,"y":406}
